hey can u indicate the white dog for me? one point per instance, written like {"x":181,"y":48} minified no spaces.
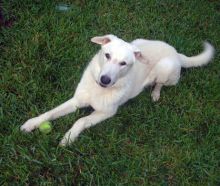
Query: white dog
{"x":117,"y":73}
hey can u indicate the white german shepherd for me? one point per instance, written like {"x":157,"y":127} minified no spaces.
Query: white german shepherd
{"x":117,"y":73}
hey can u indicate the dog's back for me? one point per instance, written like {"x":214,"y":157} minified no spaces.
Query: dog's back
{"x":153,"y":50}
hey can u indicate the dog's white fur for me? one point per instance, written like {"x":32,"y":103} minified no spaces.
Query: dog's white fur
{"x":130,"y":67}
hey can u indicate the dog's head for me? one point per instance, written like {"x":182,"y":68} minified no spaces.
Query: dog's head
{"x":117,"y":58}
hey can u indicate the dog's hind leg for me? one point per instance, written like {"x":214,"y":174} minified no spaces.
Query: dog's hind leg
{"x":84,"y":123}
{"x":64,"y":109}
{"x":156,"y":91}
{"x":166,"y":72}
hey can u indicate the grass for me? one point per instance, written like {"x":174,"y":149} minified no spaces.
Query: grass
{"x":175,"y":141}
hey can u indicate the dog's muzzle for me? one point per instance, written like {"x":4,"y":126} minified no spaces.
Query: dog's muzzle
{"x":104,"y":86}
{"x":105,"y":80}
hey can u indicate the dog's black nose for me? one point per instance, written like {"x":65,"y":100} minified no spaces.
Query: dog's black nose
{"x":105,"y":80}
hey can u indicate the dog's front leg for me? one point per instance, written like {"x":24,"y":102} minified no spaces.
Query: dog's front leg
{"x":65,"y":108}
{"x":84,"y":123}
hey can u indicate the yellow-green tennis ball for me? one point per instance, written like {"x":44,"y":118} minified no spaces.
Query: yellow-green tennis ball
{"x":45,"y":127}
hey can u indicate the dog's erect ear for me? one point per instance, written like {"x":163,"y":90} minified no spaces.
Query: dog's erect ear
{"x":102,"y":40}
{"x":138,"y":55}
{"x":137,"y":52}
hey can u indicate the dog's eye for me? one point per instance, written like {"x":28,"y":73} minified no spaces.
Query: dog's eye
{"x":123,"y":63}
{"x":107,"y":55}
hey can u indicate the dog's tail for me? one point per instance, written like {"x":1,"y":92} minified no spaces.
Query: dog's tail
{"x":199,"y":60}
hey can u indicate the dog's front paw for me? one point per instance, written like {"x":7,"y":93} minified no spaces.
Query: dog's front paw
{"x":30,"y":125}
{"x":63,"y":142}
{"x":73,"y":133}
{"x":155,"y":96}
{"x":68,"y":138}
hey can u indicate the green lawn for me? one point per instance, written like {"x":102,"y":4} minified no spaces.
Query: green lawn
{"x":175,"y":141}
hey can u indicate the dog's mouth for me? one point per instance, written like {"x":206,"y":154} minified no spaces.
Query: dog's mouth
{"x":104,"y":86}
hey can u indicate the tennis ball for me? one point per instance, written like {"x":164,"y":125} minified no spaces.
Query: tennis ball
{"x":45,"y":127}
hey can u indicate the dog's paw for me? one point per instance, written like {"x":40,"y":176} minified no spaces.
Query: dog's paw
{"x":30,"y":125}
{"x":155,"y":96}
{"x":68,"y":138}
{"x":65,"y":142}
